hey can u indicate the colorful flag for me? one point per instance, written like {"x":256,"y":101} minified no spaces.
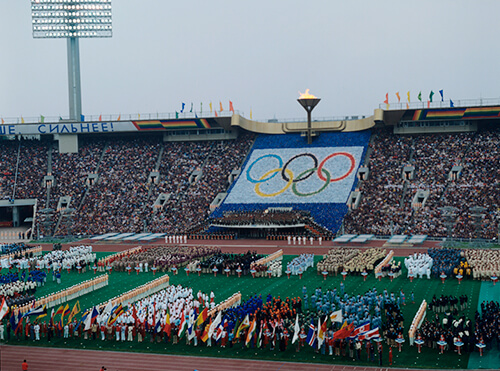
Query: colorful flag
{"x":100,"y":117}
{"x":220,"y":105}
{"x":182,"y":106}
{"x":296,"y":329}
{"x":191,"y":325}
{"x":442,"y":95}
{"x":386,"y":101}
{"x":22,"y":120}
{"x":204,"y":337}
{"x":251,"y":331}
{"x":66,"y":310}
{"x":231,"y":108}
{"x":452,"y":104}
{"x":368,"y":335}
{"x":399,"y":98}
{"x":321,"y":332}
{"x":250,"y":113}
{"x":88,"y":320}
{"x":420,"y":96}
{"x":176,"y":114}
{"x":201,"y":107}
{"x":428,"y":104}
{"x":336,"y":316}
{"x":59,"y":310}
{"x":431,"y":94}
{"x":3,"y":121}
{"x":364,"y":327}
{"x":115,"y":313}
{"x":245,"y":324}
{"x":191,"y":110}
{"x":76,"y":309}
{"x":202,"y":317}
{"x":407,"y":106}
{"x":408,"y":95}
{"x":216,"y":115}
{"x":4,"y":309}
{"x":119,"y":117}
{"x":95,"y":314}
{"x":215,"y":323}
{"x":42,"y":119}
{"x":210,"y":105}
{"x":259,"y":337}
{"x":40,"y":310}
{"x":182,"y":326}
{"x":82,"y":118}
{"x":168,"y":327}
{"x":345,"y":331}
{"x":311,"y":335}
{"x":19,"y":322}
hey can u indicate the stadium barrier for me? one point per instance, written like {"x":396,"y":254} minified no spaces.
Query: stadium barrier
{"x":417,"y":321}
{"x":140,"y":292}
{"x":72,"y":292}
{"x":233,"y":301}
{"x":387,"y":259}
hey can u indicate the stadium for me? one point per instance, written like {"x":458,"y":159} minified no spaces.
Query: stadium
{"x":209,"y":240}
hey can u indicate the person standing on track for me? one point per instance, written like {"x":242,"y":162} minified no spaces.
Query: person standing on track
{"x":24,"y":366}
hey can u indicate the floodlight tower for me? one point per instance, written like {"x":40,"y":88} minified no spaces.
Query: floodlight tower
{"x":72,"y":20}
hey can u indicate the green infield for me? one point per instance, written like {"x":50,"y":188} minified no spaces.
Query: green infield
{"x":224,"y":287}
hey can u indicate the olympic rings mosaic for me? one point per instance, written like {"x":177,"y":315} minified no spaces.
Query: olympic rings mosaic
{"x":283,"y":170}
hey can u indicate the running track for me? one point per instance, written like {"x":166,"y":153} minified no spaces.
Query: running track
{"x":261,"y":246}
{"x":46,"y":359}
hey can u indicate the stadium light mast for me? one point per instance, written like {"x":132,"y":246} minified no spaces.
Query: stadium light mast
{"x":72,"y":20}
{"x":308,"y":101}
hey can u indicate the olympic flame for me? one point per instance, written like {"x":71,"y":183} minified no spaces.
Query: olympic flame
{"x":306,"y":95}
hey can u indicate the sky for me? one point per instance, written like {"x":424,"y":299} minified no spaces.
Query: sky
{"x":258,"y":54}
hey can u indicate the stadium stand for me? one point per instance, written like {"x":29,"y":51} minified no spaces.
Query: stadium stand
{"x":141,"y":184}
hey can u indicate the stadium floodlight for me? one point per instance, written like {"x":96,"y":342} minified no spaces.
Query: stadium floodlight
{"x":71,"y":20}
{"x":308,"y":102}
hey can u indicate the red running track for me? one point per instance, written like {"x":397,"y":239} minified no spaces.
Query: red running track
{"x":261,"y":246}
{"x":50,"y":359}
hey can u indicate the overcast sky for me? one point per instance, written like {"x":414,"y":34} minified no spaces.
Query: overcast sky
{"x":259,"y":54}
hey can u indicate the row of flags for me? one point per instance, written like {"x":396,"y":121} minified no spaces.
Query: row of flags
{"x":317,"y":335}
{"x":419,"y":97}
{"x":210,"y":105}
{"x":182,"y":110}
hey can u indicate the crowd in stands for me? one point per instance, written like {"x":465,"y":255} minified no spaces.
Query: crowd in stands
{"x":386,"y":205}
{"x":70,"y":172}
{"x":189,"y":203}
{"x":380,"y":210}
{"x":122,"y":200}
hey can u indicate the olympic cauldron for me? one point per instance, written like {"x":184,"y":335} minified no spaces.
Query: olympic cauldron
{"x":308,"y":101}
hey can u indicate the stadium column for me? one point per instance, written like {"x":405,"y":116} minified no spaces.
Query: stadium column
{"x":74,"y":85}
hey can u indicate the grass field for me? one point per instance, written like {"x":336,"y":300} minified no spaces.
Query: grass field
{"x":224,"y":287}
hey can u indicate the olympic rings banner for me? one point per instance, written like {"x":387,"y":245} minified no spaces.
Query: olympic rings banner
{"x":297,"y":175}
